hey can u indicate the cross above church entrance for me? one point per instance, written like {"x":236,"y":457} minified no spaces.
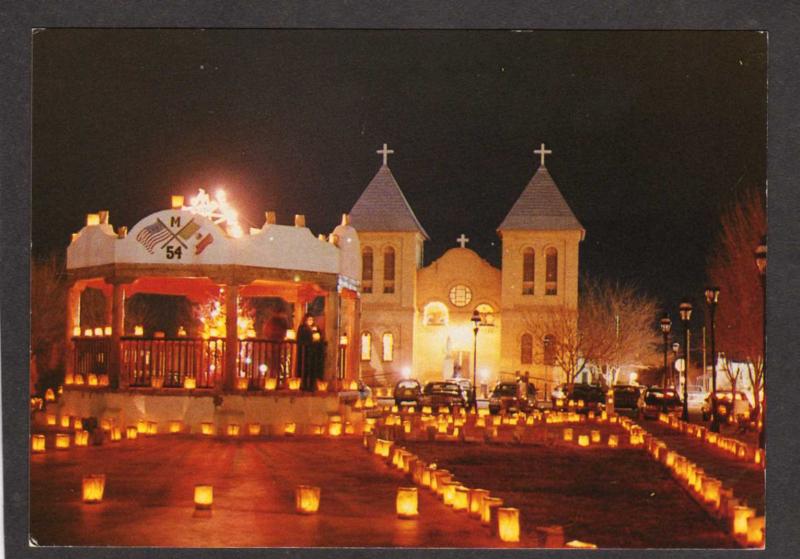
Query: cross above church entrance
{"x":386,"y":151}
{"x":541,"y":151}
{"x":462,"y":240}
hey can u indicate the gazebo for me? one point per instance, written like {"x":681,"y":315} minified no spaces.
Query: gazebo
{"x":181,"y":251}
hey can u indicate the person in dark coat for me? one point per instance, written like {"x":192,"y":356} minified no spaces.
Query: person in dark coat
{"x":305,"y":353}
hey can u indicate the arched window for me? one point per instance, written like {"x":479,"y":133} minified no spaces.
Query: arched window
{"x":527,"y":271}
{"x":435,"y":314}
{"x":388,"y":346}
{"x":549,"y":350}
{"x":388,"y":270}
{"x":551,"y":272}
{"x":487,"y":314}
{"x":366,"y":346}
{"x":526,"y":349}
{"x":366,"y":270}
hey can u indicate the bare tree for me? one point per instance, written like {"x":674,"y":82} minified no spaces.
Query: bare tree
{"x":614,"y":325}
{"x":48,"y":319}
{"x":740,"y":314}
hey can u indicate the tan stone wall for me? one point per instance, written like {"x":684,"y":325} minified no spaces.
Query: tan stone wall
{"x":516,"y":305}
{"x":457,"y":266}
{"x":391,"y":312}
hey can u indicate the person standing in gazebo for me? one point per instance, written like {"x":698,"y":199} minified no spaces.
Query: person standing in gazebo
{"x":306,"y":353}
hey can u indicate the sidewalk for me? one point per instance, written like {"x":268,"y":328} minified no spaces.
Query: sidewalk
{"x":746,"y":479}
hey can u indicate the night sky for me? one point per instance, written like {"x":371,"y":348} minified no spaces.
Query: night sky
{"x":652,"y":132}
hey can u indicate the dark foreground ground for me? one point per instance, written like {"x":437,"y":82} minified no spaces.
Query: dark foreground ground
{"x":609,"y":497}
{"x":614,"y":498}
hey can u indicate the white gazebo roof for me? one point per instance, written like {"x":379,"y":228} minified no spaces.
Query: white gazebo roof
{"x":178,"y":237}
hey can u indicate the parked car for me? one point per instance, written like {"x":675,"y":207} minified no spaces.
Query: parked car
{"x":466,"y":388}
{"x":442,"y":393}
{"x":584,"y":397}
{"x":656,"y":400}
{"x":728,"y":408}
{"x":407,"y":391}
{"x":627,"y":398}
{"x":512,"y":396}
{"x":696,"y":397}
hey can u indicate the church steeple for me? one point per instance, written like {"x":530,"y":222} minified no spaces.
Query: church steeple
{"x":382,"y":206}
{"x":541,"y":205}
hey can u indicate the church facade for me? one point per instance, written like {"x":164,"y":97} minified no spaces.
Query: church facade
{"x":416,"y":321}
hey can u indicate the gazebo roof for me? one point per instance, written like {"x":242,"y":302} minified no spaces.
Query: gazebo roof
{"x":180,"y":243}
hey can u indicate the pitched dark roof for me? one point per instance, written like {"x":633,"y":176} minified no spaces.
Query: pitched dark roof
{"x":541,"y":207}
{"x":382,"y":207}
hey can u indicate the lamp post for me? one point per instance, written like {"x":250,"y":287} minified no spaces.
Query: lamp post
{"x":686,"y":316}
{"x":343,"y":342}
{"x":666,"y":326}
{"x":676,"y":347}
{"x":761,"y":264}
{"x":476,"y":322}
{"x":712,"y":298}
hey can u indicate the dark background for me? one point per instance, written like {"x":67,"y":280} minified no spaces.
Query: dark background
{"x":652,"y":133}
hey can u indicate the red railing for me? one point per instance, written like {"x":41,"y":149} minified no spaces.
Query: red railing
{"x":166,"y":363}
{"x":91,"y":355}
{"x":261,"y":359}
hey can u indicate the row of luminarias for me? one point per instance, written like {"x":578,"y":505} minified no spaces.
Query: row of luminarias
{"x":708,"y":491}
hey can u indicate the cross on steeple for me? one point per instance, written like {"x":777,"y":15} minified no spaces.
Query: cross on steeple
{"x":541,"y":151}
{"x":385,"y":152}
{"x":462,"y":240}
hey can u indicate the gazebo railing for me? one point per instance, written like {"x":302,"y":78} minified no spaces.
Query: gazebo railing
{"x":91,"y":355}
{"x":260,"y":359}
{"x":167,"y":362}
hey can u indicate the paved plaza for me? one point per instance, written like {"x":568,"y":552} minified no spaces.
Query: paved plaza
{"x":610,"y":497}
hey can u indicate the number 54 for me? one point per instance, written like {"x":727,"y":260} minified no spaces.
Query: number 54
{"x":174,"y":252}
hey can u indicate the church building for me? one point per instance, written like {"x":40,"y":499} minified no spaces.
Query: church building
{"x":416,"y":321}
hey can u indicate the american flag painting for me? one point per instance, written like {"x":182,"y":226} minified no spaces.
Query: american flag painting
{"x":153,"y":234}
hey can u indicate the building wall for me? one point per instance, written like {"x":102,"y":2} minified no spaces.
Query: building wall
{"x":391,"y":312}
{"x":517,"y":307}
{"x":458,"y":266}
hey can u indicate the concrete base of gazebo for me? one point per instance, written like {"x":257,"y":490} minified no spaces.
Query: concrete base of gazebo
{"x":272,"y":411}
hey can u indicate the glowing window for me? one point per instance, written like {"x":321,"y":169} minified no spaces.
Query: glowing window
{"x":435,"y":314}
{"x":527,"y":271}
{"x":388,"y":346}
{"x":460,"y":295}
{"x":526,"y":349}
{"x":487,"y":314}
{"x":366,"y":346}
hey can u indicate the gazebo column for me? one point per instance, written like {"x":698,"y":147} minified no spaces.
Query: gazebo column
{"x":332,"y":301}
{"x":73,"y":320}
{"x":231,"y":336}
{"x":117,"y":321}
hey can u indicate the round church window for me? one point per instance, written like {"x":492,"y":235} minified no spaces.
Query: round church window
{"x":460,"y":295}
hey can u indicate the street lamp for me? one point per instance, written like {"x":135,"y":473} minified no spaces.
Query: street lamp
{"x":666,"y":326}
{"x":686,"y":315}
{"x":676,"y":347}
{"x":761,"y":264}
{"x":712,"y":298}
{"x":476,"y":323}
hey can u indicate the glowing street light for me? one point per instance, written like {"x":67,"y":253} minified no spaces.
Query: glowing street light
{"x":686,"y":315}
